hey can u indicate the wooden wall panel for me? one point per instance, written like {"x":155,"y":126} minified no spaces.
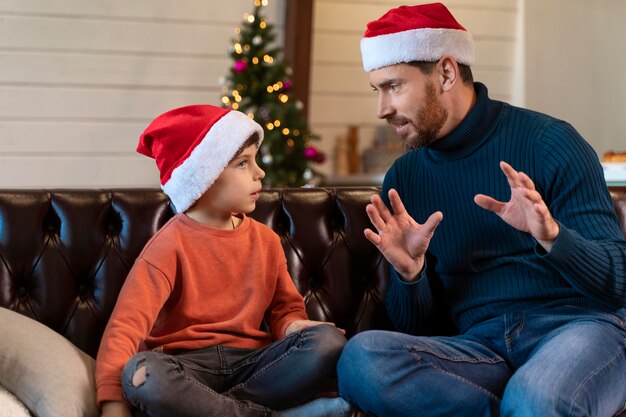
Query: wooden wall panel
{"x":80,"y":80}
{"x":129,"y":71}
{"x":77,"y":171}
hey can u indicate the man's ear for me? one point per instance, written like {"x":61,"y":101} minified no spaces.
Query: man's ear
{"x":448,"y":71}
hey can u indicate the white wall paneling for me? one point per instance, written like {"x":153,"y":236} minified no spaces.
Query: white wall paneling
{"x":80,"y":80}
{"x":575,"y":66}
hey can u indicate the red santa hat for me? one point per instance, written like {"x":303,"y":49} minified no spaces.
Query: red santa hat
{"x":415,"y":33}
{"x":192,"y":145}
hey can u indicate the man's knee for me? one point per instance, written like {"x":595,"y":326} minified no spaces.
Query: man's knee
{"x":359,"y":363}
{"x":527,"y":394}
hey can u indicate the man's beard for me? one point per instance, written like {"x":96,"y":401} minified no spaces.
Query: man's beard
{"x":428,"y":121}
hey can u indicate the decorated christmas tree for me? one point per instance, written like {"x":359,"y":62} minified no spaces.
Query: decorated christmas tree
{"x":259,"y":85}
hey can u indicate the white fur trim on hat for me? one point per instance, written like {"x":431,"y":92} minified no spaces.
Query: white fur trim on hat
{"x":190,"y":180}
{"x":426,"y":45}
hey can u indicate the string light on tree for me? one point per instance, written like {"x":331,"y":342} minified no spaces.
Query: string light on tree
{"x":259,"y":85}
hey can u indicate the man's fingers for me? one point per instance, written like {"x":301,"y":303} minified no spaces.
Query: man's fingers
{"x":488,"y":203}
{"x":511,"y":174}
{"x":382,"y":209}
{"x":374,"y":215}
{"x":396,"y":202}
{"x":526,"y":181}
{"x":372,"y":237}
{"x":431,"y":224}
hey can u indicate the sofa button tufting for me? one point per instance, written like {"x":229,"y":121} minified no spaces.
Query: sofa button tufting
{"x":21,"y":292}
{"x":83,"y":290}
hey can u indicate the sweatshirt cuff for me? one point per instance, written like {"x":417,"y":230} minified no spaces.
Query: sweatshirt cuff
{"x":109,"y":393}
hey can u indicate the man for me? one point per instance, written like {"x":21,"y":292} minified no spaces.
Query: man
{"x":504,"y":209}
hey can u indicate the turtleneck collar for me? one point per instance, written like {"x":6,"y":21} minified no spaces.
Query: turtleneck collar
{"x":473,"y":130}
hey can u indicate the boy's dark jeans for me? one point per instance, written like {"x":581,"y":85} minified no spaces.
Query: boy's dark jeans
{"x":225,"y":381}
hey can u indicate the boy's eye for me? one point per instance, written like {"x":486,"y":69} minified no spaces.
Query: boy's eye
{"x":242,"y":163}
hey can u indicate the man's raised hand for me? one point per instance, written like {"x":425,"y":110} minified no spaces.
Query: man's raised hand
{"x":526,"y":210}
{"x":401,"y":240}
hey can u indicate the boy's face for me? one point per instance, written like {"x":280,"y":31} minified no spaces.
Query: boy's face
{"x":237,"y":188}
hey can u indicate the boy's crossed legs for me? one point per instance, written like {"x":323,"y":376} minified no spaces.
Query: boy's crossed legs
{"x":237,"y":382}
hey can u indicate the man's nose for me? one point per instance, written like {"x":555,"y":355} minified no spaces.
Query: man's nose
{"x":384,"y":108}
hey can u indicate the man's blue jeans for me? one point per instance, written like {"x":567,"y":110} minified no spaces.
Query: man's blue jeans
{"x":234,"y":382}
{"x":561,"y":361}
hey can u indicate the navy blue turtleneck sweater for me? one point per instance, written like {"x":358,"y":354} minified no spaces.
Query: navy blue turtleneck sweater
{"x":487,"y":267}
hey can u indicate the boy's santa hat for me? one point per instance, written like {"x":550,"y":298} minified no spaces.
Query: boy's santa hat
{"x":192,"y":145}
{"x":415,"y":33}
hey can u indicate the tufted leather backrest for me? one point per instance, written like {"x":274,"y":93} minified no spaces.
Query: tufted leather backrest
{"x":64,"y":254}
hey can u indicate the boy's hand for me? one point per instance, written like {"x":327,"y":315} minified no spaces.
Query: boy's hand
{"x":116,"y":409}
{"x":296,"y":325}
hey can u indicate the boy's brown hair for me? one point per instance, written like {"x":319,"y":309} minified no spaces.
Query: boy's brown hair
{"x":252,"y":140}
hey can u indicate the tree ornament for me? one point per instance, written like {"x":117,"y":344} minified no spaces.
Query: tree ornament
{"x":264,"y":113}
{"x":310,"y":152}
{"x":240,"y":66}
{"x":256,"y":41}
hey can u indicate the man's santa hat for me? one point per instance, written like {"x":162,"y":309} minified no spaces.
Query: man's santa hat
{"x":415,"y":33}
{"x":192,"y":145}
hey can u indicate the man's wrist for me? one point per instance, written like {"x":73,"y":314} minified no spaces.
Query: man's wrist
{"x":551,"y":238}
{"x":414,"y":273}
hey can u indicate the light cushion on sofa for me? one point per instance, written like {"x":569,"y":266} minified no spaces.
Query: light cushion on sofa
{"x":45,"y":371}
{"x":10,"y":406}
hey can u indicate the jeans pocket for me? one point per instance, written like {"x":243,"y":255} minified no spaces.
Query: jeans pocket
{"x":617,"y":317}
{"x":459,"y":352}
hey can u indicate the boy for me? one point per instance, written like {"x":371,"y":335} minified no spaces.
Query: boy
{"x":199,"y":293}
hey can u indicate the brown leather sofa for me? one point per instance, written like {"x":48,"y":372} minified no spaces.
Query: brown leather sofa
{"x":64,"y":254}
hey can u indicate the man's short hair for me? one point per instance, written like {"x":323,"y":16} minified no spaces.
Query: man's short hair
{"x":427,"y":68}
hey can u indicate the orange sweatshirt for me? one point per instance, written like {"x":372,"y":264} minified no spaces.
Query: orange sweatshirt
{"x":193,"y":287}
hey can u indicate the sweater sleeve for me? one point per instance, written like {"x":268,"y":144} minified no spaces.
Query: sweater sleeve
{"x":408,"y":304}
{"x":287,"y":304}
{"x":590,"y":250}
{"x":143,"y":294}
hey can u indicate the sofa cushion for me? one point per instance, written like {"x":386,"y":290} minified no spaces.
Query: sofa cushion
{"x":11,"y":406}
{"x":44,"y":370}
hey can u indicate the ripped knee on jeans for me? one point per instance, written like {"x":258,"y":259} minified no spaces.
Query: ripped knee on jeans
{"x":139,"y":376}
